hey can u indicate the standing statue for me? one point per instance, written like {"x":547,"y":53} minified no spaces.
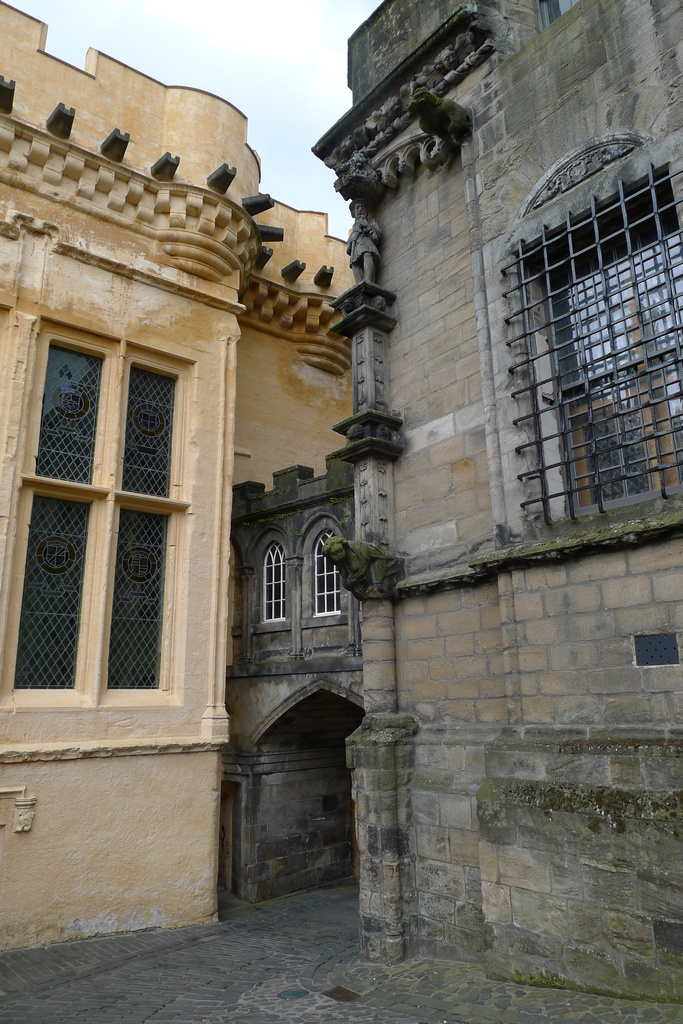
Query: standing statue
{"x":362,"y":246}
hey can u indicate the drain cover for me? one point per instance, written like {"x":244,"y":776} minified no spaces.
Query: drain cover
{"x":342,"y":995}
{"x":293,"y":993}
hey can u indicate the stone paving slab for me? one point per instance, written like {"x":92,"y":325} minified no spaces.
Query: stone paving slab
{"x":273,"y":964}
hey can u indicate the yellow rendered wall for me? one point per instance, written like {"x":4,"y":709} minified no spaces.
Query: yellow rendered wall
{"x":116,"y":844}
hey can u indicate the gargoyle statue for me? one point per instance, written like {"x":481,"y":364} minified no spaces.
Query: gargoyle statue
{"x":366,"y":569}
{"x":444,"y":118}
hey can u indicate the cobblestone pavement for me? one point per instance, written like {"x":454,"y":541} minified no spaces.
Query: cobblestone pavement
{"x":274,"y":964}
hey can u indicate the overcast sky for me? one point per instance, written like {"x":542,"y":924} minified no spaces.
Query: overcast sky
{"x":283,"y":64}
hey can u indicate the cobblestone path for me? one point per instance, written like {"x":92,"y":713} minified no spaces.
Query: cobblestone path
{"x":274,"y":964}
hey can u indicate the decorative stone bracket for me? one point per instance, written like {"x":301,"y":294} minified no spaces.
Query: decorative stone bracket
{"x":24,"y":806}
{"x":366,"y":569}
{"x":304,"y":319}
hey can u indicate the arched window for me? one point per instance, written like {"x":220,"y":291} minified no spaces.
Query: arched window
{"x":327,"y":581}
{"x":274,"y":584}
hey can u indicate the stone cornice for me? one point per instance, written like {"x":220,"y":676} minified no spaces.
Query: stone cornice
{"x":13,"y":753}
{"x":195,"y":230}
{"x":302,"y":318}
{"x":367,"y":133}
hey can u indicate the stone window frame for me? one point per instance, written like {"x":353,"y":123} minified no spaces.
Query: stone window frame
{"x":326,"y":575}
{"x":105,"y":498}
{"x":551,"y":10}
{"x":534,"y":366}
{"x":268,"y":587}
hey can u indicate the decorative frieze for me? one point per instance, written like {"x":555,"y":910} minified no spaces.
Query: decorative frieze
{"x":200,"y":232}
{"x":369,"y":141}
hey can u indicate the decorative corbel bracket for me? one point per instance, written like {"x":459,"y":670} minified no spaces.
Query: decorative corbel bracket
{"x":24,"y":806}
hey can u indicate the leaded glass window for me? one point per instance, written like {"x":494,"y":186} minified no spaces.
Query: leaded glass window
{"x":149,"y":427}
{"x":69,"y":418}
{"x":274,"y":584}
{"x":53,"y":585}
{"x":327,"y":581}
{"x":135,"y":644}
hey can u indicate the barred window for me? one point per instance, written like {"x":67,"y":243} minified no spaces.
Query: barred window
{"x":327,"y":581}
{"x":598,"y":346}
{"x":274,"y":584}
{"x":552,"y":9}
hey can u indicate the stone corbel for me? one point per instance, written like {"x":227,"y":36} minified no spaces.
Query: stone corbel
{"x":24,"y":806}
{"x":366,"y":569}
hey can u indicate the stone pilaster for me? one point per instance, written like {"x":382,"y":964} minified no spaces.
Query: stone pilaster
{"x":294,"y":571}
{"x":380,"y":754}
{"x":246,"y":573}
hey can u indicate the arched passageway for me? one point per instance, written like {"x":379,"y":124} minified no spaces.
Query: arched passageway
{"x":292,"y":815}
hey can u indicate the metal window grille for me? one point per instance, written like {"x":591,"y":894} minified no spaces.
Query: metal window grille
{"x":552,"y":9}
{"x":69,"y":418}
{"x":51,"y":604}
{"x":137,"y":606}
{"x":327,"y":581}
{"x":598,"y":348}
{"x":149,"y":428}
{"x":274,"y":584}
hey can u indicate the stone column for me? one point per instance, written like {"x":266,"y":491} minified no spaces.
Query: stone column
{"x":380,"y":752}
{"x":246,"y":573}
{"x":354,"y":648}
{"x":294,"y":571}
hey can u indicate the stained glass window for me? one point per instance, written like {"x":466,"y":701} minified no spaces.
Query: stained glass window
{"x":135,"y":644}
{"x":69,"y":419}
{"x":274,"y":583}
{"x":149,"y":426}
{"x":327,"y":581}
{"x":53,"y":584}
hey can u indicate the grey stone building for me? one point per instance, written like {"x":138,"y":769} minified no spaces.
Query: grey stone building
{"x":517,"y":331}
{"x":294,"y":689}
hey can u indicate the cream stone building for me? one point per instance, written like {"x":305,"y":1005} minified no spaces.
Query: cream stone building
{"x":151,"y":330}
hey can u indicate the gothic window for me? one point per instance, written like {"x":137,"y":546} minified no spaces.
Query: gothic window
{"x":327,"y":581}
{"x":274,"y":584}
{"x":599,"y":320}
{"x":552,"y":9}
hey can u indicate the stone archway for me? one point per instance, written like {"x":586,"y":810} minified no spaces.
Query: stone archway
{"x":295,"y":814}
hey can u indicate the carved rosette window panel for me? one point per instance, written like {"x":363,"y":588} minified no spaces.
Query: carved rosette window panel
{"x":204,"y":234}
{"x":582,"y":163}
{"x":306,"y":320}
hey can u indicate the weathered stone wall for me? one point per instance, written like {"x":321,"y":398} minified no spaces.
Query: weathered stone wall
{"x":580,"y":853}
{"x":441,"y":482}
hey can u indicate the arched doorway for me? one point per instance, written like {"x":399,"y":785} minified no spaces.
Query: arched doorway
{"x":292,"y":814}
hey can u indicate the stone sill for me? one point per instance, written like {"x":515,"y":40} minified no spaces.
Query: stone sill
{"x":22,"y":752}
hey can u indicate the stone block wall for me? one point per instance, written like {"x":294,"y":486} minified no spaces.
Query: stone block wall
{"x":581,"y":842}
{"x":450,"y":657}
{"x":300,"y":836}
{"x":575,"y":625}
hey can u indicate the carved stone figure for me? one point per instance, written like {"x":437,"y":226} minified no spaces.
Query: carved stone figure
{"x":362,"y":247}
{"x":444,"y":118}
{"x":366,"y":569}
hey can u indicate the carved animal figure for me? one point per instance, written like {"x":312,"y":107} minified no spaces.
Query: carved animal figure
{"x":443,"y":118}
